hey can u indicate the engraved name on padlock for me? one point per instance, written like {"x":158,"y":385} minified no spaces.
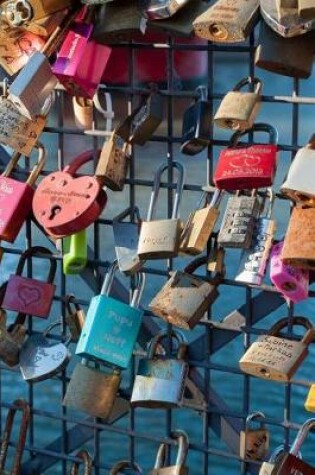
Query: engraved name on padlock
{"x":277,"y":358}
{"x":180,"y":467}
{"x":160,"y":239}
{"x":254,"y":443}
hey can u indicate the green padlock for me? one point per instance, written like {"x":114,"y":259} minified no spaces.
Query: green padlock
{"x":75,"y":253}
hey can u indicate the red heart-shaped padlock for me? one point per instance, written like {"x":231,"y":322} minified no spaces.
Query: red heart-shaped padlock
{"x":65,"y":205}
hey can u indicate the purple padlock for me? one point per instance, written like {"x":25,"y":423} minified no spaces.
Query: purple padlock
{"x":292,"y":282}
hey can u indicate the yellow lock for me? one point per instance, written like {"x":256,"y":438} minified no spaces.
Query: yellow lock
{"x":310,"y":400}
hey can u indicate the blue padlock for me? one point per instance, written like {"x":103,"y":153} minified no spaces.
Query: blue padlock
{"x":111,"y":327}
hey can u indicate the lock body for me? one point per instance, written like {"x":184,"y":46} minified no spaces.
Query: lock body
{"x":299,"y":183}
{"x":75,"y":253}
{"x":254,"y":444}
{"x":113,"y":164}
{"x":291,"y":464}
{"x":285,"y":20}
{"x":183,"y":300}
{"x":147,"y":119}
{"x":159,"y":239}
{"x":10,"y":341}
{"x":198,"y":229}
{"x":238,"y":222}
{"x":196,"y":128}
{"x":92,"y":391}
{"x":110,"y":331}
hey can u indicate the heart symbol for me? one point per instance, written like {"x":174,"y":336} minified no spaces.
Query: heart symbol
{"x":64,"y":205}
{"x":41,"y":359}
{"x":246,"y":159}
{"x":28,"y":295}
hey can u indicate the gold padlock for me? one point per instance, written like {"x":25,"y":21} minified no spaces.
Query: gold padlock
{"x":310,"y":400}
{"x":277,"y":358}
{"x":254,"y":443}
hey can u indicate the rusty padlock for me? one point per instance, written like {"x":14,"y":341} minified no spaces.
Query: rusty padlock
{"x":277,"y":358}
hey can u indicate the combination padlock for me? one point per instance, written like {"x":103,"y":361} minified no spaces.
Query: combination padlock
{"x":126,"y":237}
{"x":254,"y":443}
{"x":160,"y":239}
{"x":248,"y":166}
{"x":197,"y":124}
{"x":238,"y":110}
{"x":180,"y":467}
{"x":160,"y":9}
{"x":239,"y":221}
{"x":253,"y":262}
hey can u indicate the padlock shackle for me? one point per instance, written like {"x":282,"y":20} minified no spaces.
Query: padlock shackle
{"x":249,"y":81}
{"x":155,"y":341}
{"x":128,"y":212}
{"x":70,"y":299}
{"x":160,"y":457}
{"x":203,"y":93}
{"x":301,"y":436}
{"x":87,"y":463}
{"x":183,"y":446}
{"x":109,"y":279}
{"x":253,"y":416}
{"x":156,"y":189}
{"x":138,"y":291}
{"x":42,"y":154}
{"x":107,"y":113}
{"x":53,"y":325}
{"x":81,"y":160}
{"x":31,"y":252}
{"x":125,"y":464}
{"x":272,"y":196}
{"x":259,"y":127}
{"x":22,"y":405}
{"x":300,"y":321}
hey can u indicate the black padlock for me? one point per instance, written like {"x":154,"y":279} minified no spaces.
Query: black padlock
{"x":197,"y":124}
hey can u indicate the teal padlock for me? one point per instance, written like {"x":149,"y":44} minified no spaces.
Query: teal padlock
{"x":75,"y":254}
{"x":111,"y":327}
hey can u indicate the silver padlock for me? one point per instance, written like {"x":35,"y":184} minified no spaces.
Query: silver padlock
{"x":267,"y":468}
{"x":126,"y":237}
{"x":160,"y":239}
{"x":238,"y":110}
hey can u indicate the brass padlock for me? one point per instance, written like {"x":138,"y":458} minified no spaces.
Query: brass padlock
{"x":200,"y":224}
{"x":75,"y":318}
{"x":239,"y":221}
{"x":116,"y":470}
{"x":160,"y":239}
{"x":92,"y":391}
{"x":238,"y":110}
{"x":185,"y":298}
{"x":86,"y":463}
{"x":254,"y":443}
{"x":179,"y":468}
{"x":299,"y":243}
{"x":23,"y":406}
{"x":215,"y":25}
{"x":277,"y":358}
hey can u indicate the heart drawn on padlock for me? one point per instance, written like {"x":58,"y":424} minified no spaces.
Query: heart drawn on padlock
{"x":41,"y":359}
{"x":246,"y":159}
{"x":29,"y":295}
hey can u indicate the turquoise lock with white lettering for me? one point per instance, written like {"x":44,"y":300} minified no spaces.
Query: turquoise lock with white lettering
{"x":111,"y":327}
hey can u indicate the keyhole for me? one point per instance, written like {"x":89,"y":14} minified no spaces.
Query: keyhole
{"x":54,"y":211}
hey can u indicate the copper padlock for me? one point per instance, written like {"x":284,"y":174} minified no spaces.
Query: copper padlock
{"x":277,"y":358}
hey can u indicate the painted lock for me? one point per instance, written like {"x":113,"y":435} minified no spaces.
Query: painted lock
{"x":27,"y":295}
{"x":291,"y":281}
{"x":65,"y":204}
{"x":111,"y":327}
{"x":160,"y":381}
{"x":238,"y":110}
{"x":185,"y":298}
{"x":277,"y":358}
{"x":180,"y":467}
{"x":81,"y":61}
{"x":16,"y":197}
{"x":252,"y":166}
{"x":92,"y":390}
{"x":160,"y":239}
{"x":75,"y":253}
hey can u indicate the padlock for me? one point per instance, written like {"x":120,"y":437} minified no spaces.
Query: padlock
{"x":28,"y":295}
{"x":86,"y":463}
{"x":125,"y":464}
{"x":126,"y":237}
{"x":289,"y":24}
{"x":65,"y":204}
{"x":299,"y":183}
{"x":160,"y":239}
{"x":180,"y":467}
{"x":42,"y":359}
{"x":253,"y":262}
{"x":159,"y":10}
{"x":306,"y":9}
{"x":83,"y":112}
{"x":75,"y":318}
{"x":238,"y":110}
{"x":92,"y":390}
{"x":17,"y":12}
{"x":81,"y":61}
{"x":283,"y":55}
{"x":254,"y":443}
{"x":267,"y":468}
{"x":11,"y":340}
{"x":185,"y":298}
{"x":310,"y":400}
{"x":299,"y":242}
{"x":21,"y":405}
{"x":113,"y":163}
{"x":216,"y":257}
{"x":277,"y":358}
{"x":239,"y":221}
{"x":16,"y":197}
{"x":75,"y":253}
{"x":292,"y":282}
{"x":215,"y":25}
{"x":200,"y":224}
{"x":247,"y":166}
{"x":17,"y":131}
{"x":160,"y":381}
{"x":111,"y":327}
{"x":290,"y":463}
{"x":197,"y":124}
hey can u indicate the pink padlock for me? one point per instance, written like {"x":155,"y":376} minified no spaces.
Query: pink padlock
{"x":81,"y":61}
{"x":292,"y":282}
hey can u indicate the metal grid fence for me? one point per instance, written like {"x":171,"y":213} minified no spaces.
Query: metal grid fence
{"x":215,"y":346}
